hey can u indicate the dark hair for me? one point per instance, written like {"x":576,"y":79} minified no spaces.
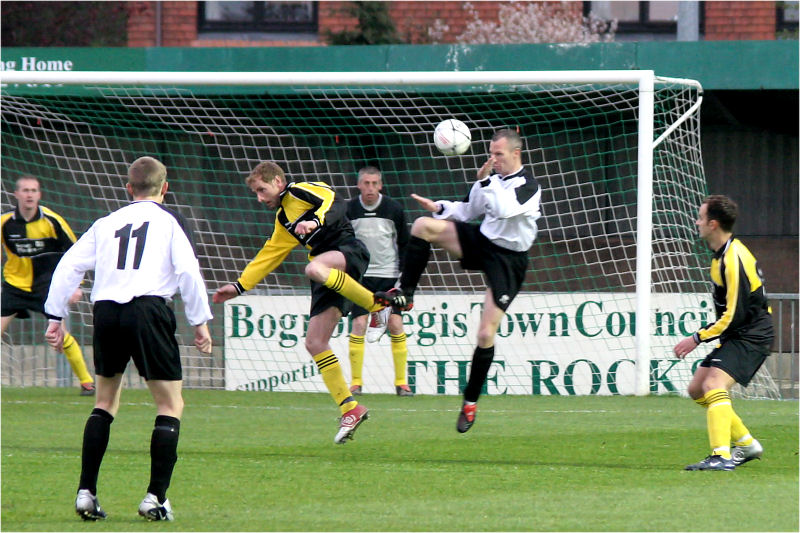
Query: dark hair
{"x":513,"y":138}
{"x":722,"y":209}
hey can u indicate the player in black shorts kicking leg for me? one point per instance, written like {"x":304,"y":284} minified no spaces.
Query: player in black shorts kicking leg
{"x":507,"y":197}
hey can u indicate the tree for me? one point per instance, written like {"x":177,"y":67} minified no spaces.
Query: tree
{"x":375,"y":25}
{"x":64,"y":23}
{"x":531,"y":22}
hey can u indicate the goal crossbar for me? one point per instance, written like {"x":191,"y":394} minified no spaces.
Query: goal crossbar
{"x":326,"y":78}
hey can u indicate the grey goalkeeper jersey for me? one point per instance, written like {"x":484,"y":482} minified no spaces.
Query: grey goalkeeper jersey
{"x":382,"y":228}
{"x":509,"y":206}
{"x":142,"y":249}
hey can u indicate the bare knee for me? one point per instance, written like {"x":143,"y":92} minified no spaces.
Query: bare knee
{"x":396,"y":325}
{"x":360,"y":325}
{"x":422,"y":228}
{"x":176,"y":407}
{"x":695,"y":390}
{"x":315,"y":272}
{"x":486,"y":336}
{"x":315,"y":347}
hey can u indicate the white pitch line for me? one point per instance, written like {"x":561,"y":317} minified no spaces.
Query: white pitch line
{"x":295,"y":408}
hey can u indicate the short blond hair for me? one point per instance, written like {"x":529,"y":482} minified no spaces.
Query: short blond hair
{"x":265,"y":171}
{"x":146,"y":176}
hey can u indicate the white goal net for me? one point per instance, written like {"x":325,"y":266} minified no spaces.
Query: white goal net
{"x":617,"y":272}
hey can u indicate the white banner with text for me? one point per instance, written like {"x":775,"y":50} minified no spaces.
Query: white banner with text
{"x":553,"y":343}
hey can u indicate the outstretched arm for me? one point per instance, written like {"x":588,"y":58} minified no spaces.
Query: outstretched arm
{"x":224,"y":293}
{"x":426,"y":203}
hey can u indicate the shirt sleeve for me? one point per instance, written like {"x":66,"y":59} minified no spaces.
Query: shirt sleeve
{"x":268,"y":258}
{"x":472,"y":208}
{"x":190,"y":280}
{"x":736,"y":290}
{"x":69,"y":273}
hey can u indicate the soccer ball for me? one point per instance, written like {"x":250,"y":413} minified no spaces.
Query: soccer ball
{"x":452,"y":137}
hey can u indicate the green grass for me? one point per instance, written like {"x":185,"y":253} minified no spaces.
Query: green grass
{"x":267,"y":462}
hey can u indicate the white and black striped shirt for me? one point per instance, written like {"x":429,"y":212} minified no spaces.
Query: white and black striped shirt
{"x":509,"y":206}
{"x":142,"y":249}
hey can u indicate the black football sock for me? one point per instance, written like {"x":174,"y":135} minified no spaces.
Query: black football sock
{"x":418,"y":252}
{"x":481,"y":361}
{"x":163,"y":455}
{"x":95,"y":441}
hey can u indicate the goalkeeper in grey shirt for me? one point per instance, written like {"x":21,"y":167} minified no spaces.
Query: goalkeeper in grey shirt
{"x":380,"y":223}
{"x":508,"y":201}
{"x":141,"y":255}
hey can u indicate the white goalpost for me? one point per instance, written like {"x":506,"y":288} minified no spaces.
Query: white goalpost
{"x":617,"y":272}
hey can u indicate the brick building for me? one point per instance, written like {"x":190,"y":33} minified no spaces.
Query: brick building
{"x":211,"y":24}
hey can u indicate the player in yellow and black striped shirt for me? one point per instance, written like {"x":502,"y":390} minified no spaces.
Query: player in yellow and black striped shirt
{"x":743,"y":329}
{"x":34,"y":239}
{"x":313,"y":215}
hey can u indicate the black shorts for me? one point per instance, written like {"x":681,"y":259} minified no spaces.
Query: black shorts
{"x":739,"y":359}
{"x":19,"y":302}
{"x":375,"y":285}
{"x":503,"y":269}
{"x":356,"y":257}
{"x":143,"y":330}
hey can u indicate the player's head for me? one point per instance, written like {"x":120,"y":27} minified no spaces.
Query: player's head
{"x":719,"y":209}
{"x":28,"y":192}
{"x":266,"y":171}
{"x":506,"y":149}
{"x":147,"y":177}
{"x":267,"y":181}
{"x":369,"y":184}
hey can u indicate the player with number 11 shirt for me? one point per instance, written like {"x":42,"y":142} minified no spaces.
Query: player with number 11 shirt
{"x":141,"y":254}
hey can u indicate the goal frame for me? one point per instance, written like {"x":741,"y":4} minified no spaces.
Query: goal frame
{"x":644,"y":79}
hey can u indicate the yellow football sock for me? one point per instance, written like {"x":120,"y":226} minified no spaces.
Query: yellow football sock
{"x":400,"y":357}
{"x":718,"y":417}
{"x":333,"y":377}
{"x":345,"y":285}
{"x":357,"y":359}
{"x":73,"y":353}
{"x":740,"y":435}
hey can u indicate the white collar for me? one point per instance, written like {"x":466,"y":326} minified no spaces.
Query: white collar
{"x":372,"y":207}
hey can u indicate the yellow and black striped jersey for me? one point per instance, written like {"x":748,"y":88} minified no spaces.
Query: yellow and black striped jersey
{"x":300,"y":202}
{"x":33,"y":248}
{"x":740,"y":299}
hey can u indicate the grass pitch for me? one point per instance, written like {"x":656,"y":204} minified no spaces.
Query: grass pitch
{"x":267,"y":462}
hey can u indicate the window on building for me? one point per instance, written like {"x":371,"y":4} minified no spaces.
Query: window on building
{"x":277,"y":17}
{"x":787,"y":16}
{"x":637,"y":17}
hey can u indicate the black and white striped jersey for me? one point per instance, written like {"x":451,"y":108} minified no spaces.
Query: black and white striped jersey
{"x":142,"y":249}
{"x":509,"y":206}
{"x":382,"y":228}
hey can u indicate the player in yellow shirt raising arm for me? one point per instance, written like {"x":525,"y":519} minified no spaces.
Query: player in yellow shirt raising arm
{"x":311,"y":214}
